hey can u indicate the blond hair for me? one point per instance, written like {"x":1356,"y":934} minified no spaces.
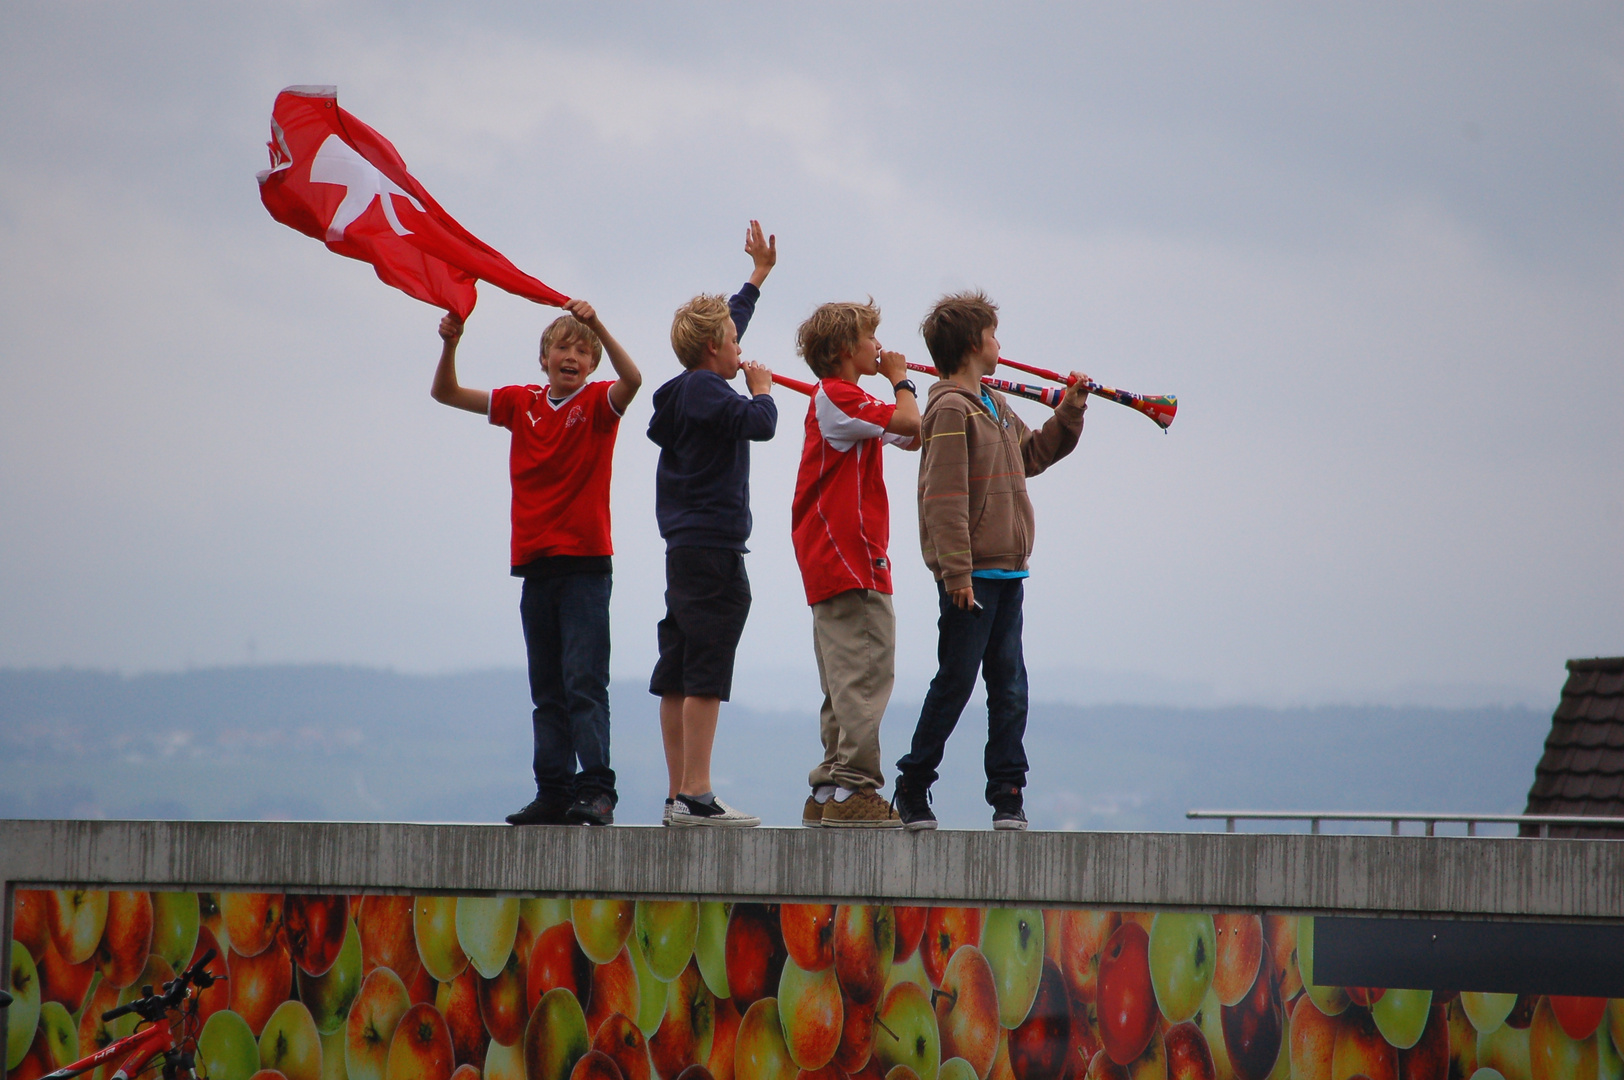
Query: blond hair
{"x":565,"y":329}
{"x":701,"y":321}
{"x":831,"y":332}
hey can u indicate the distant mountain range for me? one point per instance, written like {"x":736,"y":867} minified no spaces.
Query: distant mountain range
{"x":343,"y":743}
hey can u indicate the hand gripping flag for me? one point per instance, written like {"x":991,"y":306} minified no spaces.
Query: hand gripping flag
{"x":334,"y":178}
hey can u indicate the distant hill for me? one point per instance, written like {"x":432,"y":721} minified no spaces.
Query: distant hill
{"x":341,"y":743}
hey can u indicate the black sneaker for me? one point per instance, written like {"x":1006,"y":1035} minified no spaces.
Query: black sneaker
{"x":540,"y":812}
{"x":912,"y":805}
{"x":1007,"y":812}
{"x":597,"y":808}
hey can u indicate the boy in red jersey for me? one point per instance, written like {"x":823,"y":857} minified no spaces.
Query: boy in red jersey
{"x":562,"y":451}
{"x":840,"y":522}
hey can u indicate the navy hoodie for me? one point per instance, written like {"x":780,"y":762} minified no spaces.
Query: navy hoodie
{"x":704,"y":428}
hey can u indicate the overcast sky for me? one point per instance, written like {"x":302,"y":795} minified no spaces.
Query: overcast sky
{"x":1376,"y":250}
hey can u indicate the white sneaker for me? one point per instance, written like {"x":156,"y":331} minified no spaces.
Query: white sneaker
{"x":687,"y":811}
{"x":665,"y":818}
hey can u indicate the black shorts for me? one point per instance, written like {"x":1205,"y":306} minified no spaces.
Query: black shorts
{"x":707,"y":599}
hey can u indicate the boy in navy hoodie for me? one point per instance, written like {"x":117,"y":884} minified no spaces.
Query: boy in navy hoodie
{"x":704,"y":428}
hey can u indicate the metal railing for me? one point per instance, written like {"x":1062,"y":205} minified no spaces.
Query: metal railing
{"x":1314,"y":817}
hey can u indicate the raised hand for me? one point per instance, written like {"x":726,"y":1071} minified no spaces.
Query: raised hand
{"x":763,"y":251}
{"x":582,"y":311}
{"x":1077,"y":391}
{"x":450,"y":329}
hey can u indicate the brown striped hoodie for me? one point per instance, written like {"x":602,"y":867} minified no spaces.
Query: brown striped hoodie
{"x":973,"y":510}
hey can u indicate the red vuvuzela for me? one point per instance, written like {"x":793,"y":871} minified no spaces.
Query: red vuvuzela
{"x":337,"y":180}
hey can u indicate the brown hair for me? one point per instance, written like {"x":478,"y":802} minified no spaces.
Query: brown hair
{"x":832,"y":331}
{"x":701,"y":321}
{"x":954,"y":326}
{"x":565,"y":329}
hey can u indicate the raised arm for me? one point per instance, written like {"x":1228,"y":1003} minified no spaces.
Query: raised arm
{"x":1058,"y":435}
{"x":905,"y":420}
{"x":763,"y":251}
{"x":629,"y":378}
{"x":446,"y":389}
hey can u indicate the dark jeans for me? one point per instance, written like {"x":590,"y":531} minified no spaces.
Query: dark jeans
{"x":566,"y":634}
{"x":989,"y":640}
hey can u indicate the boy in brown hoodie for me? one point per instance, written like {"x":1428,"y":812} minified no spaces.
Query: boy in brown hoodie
{"x":975,"y":528}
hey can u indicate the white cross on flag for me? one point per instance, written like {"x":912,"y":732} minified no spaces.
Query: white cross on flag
{"x":334,"y":178}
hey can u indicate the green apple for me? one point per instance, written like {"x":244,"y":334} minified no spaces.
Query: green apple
{"x":555,"y":1036}
{"x":1332,"y":1000}
{"x":667,"y":931}
{"x":332,"y":1056}
{"x":909,"y":970}
{"x":1012,"y":941}
{"x":1401,"y":1016}
{"x":226,"y":1049}
{"x":23,"y":1016}
{"x":905,"y":1027}
{"x":61,"y":1032}
{"x":759,"y":1050}
{"x":329,"y":996}
{"x":601,"y":927}
{"x":1487,"y":1011}
{"x":956,"y":1069}
{"x":542,"y":913}
{"x":175,"y":919}
{"x":434,"y":923}
{"x":710,"y":946}
{"x":650,"y":992}
{"x":1211,"y":1021}
{"x":505,"y":1062}
{"x":1487,"y":1074}
{"x":290,"y":1043}
{"x":1505,"y":1050}
{"x":1183,"y":954}
{"x":486,"y":928}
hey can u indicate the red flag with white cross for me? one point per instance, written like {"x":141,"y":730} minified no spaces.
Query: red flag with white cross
{"x":334,"y":178}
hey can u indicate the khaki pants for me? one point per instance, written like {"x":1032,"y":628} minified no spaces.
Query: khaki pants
{"x":854,"y":636}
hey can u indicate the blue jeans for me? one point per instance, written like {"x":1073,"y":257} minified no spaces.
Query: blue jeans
{"x":566,"y":634}
{"x":988,"y":640}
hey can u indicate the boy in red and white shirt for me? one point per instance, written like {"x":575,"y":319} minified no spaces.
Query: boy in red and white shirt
{"x":841,"y":526}
{"x":562,"y":451}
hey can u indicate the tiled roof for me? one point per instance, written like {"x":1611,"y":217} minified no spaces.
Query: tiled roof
{"x":1582,"y":771}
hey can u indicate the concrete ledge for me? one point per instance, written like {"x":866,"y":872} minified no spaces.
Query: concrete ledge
{"x":1482,"y":877}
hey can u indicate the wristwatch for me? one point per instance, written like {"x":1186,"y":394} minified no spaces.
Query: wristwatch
{"x":906,"y":384}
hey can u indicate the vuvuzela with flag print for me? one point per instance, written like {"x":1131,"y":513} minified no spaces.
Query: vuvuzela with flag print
{"x":334,"y":178}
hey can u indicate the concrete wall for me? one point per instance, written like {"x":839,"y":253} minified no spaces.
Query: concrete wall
{"x":1476,"y":877}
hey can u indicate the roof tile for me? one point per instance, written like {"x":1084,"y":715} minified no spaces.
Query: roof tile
{"x":1579,"y":683}
{"x":1581,"y":771}
{"x":1610,"y":684}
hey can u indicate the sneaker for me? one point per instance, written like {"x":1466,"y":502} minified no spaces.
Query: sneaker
{"x":861,"y":810}
{"x":812,"y":813}
{"x":690,"y":811}
{"x":597,"y":808}
{"x":665,"y":819}
{"x":540,"y":812}
{"x":1007,"y":812}
{"x":912,"y":805}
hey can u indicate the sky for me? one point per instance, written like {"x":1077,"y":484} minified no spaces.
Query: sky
{"x":1377,"y":250}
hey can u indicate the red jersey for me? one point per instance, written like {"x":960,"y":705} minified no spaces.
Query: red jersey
{"x":840,"y":520}
{"x":560,"y":463}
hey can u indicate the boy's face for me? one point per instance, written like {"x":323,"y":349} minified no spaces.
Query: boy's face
{"x":724,"y":359}
{"x":568,"y":364}
{"x":866,"y":355}
{"x":985,"y":359}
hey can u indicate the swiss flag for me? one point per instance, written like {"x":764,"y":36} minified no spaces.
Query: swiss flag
{"x":334,"y":178}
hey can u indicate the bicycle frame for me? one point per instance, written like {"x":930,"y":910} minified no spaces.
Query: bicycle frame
{"x":138,"y":1051}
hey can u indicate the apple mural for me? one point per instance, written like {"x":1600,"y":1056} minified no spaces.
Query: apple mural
{"x":30,"y":920}
{"x":686,"y":1032}
{"x":1553,"y":1054}
{"x":555,"y":1037}
{"x":290,"y":1043}
{"x":760,"y":1053}
{"x":1039,"y":1045}
{"x":434,"y":924}
{"x":370,"y":1025}
{"x":602,"y":926}
{"x":176,"y":919}
{"x":956,"y":1069}
{"x":1182,"y":956}
{"x":503,"y":1005}
{"x":615,"y":989}
{"x":332,"y":1056}
{"x":314,"y":927}
{"x":1462,"y":1043}
{"x":1012,"y":941}
{"x":755,"y":953}
{"x":865,"y":939}
{"x":1280,"y":933}
{"x":947,"y":928}
{"x":595,"y":1065}
{"x":907,"y":1034}
{"x":910,"y":931}
{"x":966,"y":1006}
{"x":809,"y":1005}
{"x":724,"y":1041}
{"x":1428,"y":1059}
{"x":22,"y":1018}
{"x":1239,"y":952}
{"x":651,"y":993}
{"x":387,"y":936}
{"x":1255,"y":1027}
{"x":62,"y":982}
{"x":76,"y":919}
{"x":486,"y":929}
{"x":1312,"y":1041}
{"x":666,"y":931}
{"x":259,"y":983}
{"x":710,"y":947}
{"x":1487,"y":1011}
{"x":857,"y":1029}
{"x":1360,"y":1049}
{"x":1401,"y":1016}
{"x":60,"y":1033}
{"x":226,"y":1049}
{"x":458,"y":1002}
{"x":1188,"y":1057}
{"x":329,"y":995}
{"x":1126,"y":998}
{"x":504,"y":1062}
{"x":1330,"y":999}
{"x":421,"y":1047}
{"x":1579,"y":1016}
{"x":809,"y":934}
{"x":556,"y":960}
{"x":251,"y":920}
{"x":619,"y":1039}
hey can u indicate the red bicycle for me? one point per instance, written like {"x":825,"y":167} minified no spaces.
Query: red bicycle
{"x":171,"y":1037}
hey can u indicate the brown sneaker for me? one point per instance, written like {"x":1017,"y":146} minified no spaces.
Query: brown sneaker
{"x":863,"y":810}
{"x":812,"y":813}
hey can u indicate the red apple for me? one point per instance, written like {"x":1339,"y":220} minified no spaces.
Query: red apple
{"x":910,"y":929}
{"x":504,"y":1002}
{"x":1313,"y":1041}
{"x":370,"y":1026}
{"x":966,"y":1008}
{"x":809,"y":934}
{"x":1085,"y":1037}
{"x":126,"y":938}
{"x":724,"y":1040}
{"x":251,"y":920}
{"x":614,"y":989}
{"x":755,"y":953}
{"x":1188,"y":1057}
{"x":1280,"y":933}
{"x":1239,"y":941}
{"x":421,"y":1047}
{"x":865,"y":941}
{"x":386,"y":936}
{"x":61,"y":981}
{"x":315,"y":925}
{"x":856,"y":1036}
{"x":620,"y":1040}
{"x":1360,"y":1049}
{"x":1076,"y":950}
{"x":595,"y":1065}
{"x":1428,"y":1059}
{"x":687,"y":1030}
{"x":1126,"y":998}
{"x":1038,"y":1045}
{"x":556,"y":959}
{"x":458,"y":1002}
{"x":1579,"y":1016}
{"x":30,"y":920}
{"x":809,"y":1005}
{"x":423,"y":988}
{"x":947,"y":928}
{"x":76,"y":919}
{"x":1255,"y":1026}
{"x":259,"y":983}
